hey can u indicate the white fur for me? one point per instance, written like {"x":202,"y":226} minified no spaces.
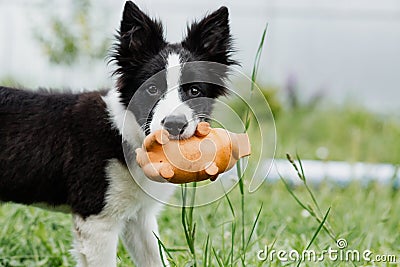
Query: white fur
{"x":138,"y":237}
{"x":132,"y":203}
{"x":171,"y":103}
{"x":130,"y":191}
{"x":95,"y":241}
{"x":139,"y":200}
{"x":123,"y":119}
{"x":129,"y":212}
{"x":173,"y":71}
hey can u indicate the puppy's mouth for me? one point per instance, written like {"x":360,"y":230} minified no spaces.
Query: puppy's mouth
{"x":186,"y":132}
{"x":183,"y":134}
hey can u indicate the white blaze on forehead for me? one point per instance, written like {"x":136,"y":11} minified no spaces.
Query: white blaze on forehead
{"x":173,"y":71}
{"x":171,"y":103}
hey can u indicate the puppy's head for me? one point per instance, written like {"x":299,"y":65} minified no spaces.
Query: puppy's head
{"x":170,"y":92}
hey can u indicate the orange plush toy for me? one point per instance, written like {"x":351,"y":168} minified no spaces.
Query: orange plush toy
{"x":209,"y":152}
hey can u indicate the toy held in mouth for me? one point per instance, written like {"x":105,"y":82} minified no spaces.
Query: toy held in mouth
{"x":209,"y":152}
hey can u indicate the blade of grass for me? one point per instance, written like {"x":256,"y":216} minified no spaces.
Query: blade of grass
{"x":162,"y":247}
{"x":247,"y":124}
{"x":183,"y":214}
{"x":306,"y":185}
{"x":230,"y":205}
{"x":303,"y":178}
{"x":242,"y":204}
{"x":254,"y":226}
{"x":254,"y":72}
{"x":177,"y":250}
{"x":205,"y":255}
{"x":290,"y":159}
{"x":287,"y":186}
{"x":233,"y":229}
{"x":217,"y":258}
{"x":316,"y":233}
{"x":192,"y":200}
{"x":187,"y":223}
{"x":307,"y":208}
{"x":232,"y":242}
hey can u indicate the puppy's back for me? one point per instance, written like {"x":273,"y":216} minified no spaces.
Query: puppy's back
{"x":54,"y":148}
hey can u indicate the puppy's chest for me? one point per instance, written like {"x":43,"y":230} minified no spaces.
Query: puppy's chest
{"x":130,"y":192}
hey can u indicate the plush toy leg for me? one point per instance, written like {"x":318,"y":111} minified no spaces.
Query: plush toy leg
{"x":166,"y":171}
{"x":141,"y":157}
{"x":157,"y":138}
{"x":157,"y":172}
{"x":203,"y":129}
{"x":211,"y":169}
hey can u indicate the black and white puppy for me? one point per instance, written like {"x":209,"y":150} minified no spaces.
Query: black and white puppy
{"x":65,"y":149}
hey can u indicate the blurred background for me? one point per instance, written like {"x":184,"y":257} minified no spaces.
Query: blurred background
{"x":329,"y":69}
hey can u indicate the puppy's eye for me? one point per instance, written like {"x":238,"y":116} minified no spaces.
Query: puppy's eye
{"x":194,"y":91}
{"x":152,"y":90}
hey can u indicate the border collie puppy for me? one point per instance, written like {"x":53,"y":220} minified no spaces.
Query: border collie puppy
{"x":65,"y":149}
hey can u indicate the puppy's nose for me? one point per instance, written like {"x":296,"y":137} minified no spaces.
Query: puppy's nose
{"x":174,"y":124}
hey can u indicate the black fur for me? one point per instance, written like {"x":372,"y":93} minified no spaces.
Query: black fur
{"x":54,"y":147}
{"x":139,"y":42}
{"x":210,"y":39}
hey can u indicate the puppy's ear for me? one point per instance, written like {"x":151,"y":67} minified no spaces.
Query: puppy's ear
{"x":210,"y":38}
{"x":138,"y":38}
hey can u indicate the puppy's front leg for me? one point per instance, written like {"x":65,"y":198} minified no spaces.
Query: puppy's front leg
{"x":138,"y":238}
{"x":95,"y":241}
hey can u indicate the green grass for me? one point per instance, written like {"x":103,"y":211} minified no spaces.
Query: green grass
{"x":368,"y":217}
{"x":349,"y":133}
{"x":33,"y":237}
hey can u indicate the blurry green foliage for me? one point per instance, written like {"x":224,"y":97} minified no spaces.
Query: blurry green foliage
{"x":346,"y":132}
{"x":8,"y":81}
{"x":73,"y":37}
{"x":271,"y":96}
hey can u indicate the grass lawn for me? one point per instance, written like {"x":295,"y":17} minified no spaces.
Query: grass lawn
{"x":367,"y":217}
